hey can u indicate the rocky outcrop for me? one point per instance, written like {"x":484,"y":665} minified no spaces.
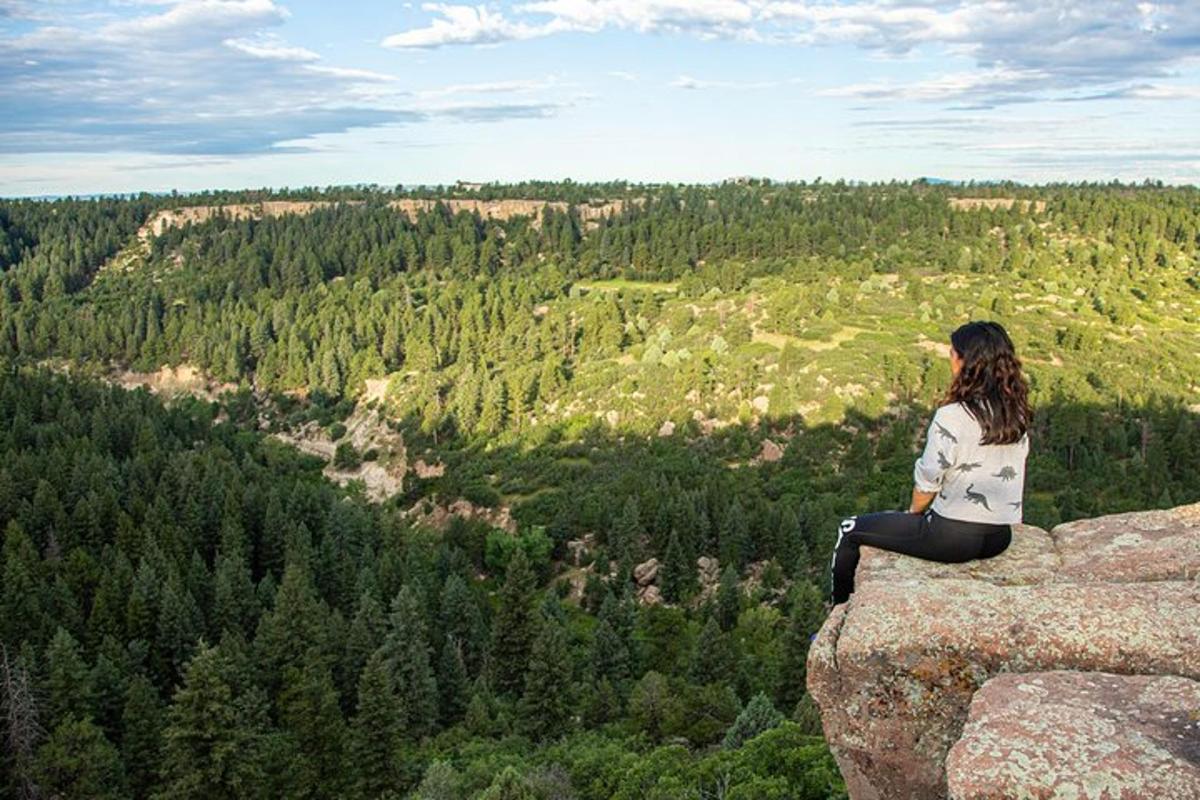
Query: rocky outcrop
{"x":1079,"y":734}
{"x":589,"y":213}
{"x":506,"y":209}
{"x":895,"y":671}
{"x":168,"y":218}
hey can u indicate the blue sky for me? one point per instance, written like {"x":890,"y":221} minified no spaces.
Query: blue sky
{"x":190,"y":94}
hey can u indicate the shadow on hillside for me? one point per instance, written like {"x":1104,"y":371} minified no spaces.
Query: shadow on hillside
{"x":577,"y":478}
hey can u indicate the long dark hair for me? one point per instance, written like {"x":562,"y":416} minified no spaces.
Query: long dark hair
{"x":990,"y":384}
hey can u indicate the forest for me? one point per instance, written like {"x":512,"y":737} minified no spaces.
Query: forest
{"x":705,"y":379}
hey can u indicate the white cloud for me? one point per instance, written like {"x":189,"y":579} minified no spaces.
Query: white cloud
{"x":272,"y":49}
{"x":194,"y":77}
{"x":492,"y":87}
{"x":695,"y":84}
{"x":1022,"y":49}
{"x":465,"y":25}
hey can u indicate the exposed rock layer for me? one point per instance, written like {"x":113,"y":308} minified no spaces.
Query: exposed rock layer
{"x":894,"y":670}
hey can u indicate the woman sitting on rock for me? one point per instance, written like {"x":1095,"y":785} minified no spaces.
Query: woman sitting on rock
{"x":972,"y":469}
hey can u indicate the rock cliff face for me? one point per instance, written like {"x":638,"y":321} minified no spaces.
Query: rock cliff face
{"x":1065,"y":667}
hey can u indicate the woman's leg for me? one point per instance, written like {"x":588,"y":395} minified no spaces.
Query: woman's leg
{"x":925,"y":536}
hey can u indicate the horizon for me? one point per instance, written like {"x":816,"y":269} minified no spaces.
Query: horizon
{"x":116,"y":97}
{"x":458,"y":186}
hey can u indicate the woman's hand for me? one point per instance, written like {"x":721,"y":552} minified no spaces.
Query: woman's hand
{"x":920,"y":501}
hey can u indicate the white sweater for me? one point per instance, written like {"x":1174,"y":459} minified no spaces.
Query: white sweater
{"x":975,"y":482}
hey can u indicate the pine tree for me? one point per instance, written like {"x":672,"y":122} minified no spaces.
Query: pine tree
{"x":713,"y":659}
{"x":406,"y":652}
{"x":78,"y":763}
{"x":758,"y":716}
{"x":309,"y":712}
{"x":514,"y":627}
{"x":375,"y":729}
{"x":735,"y":544}
{"x":21,"y":590}
{"x":653,"y":704}
{"x":294,"y":630}
{"x":461,"y":619}
{"x":234,"y":603}
{"x":453,"y":682}
{"x":729,"y":599}
{"x":545,"y":708}
{"x":365,"y":634}
{"x":612,"y":654}
{"x":626,"y":533}
{"x":180,"y":625}
{"x":211,"y":739}
{"x":678,"y":575}
{"x":68,"y":687}
{"x":808,"y":716}
{"x":142,"y":722}
{"x":807,"y":613}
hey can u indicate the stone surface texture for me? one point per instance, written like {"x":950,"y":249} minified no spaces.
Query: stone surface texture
{"x":1079,"y":734}
{"x":895,"y":670}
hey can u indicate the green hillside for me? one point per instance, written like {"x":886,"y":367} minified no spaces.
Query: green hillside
{"x":708,"y":376}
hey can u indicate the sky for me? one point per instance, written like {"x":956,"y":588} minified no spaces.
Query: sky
{"x":155,"y":95}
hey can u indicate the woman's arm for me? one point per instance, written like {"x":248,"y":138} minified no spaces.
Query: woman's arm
{"x":939,"y":455}
{"x":920,"y":501}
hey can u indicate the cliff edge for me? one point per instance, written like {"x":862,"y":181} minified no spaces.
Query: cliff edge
{"x":1069,"y":666}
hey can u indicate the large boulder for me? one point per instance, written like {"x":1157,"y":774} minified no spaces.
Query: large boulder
{"x":894,"y":670}
{"x":646,"y":573}
{"x":1079,"y":734}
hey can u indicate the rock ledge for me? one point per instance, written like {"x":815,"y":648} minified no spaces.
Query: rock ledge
{"x":897,"y":669}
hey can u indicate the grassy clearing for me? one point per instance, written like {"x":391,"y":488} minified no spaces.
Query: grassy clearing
{"x":779,"y":340}
{"x":621,"y":284}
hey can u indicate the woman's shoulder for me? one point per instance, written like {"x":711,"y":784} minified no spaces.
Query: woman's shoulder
{"x":952,"y":412}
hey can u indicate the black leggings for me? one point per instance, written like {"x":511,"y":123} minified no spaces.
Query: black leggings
{"x":928,"y":536}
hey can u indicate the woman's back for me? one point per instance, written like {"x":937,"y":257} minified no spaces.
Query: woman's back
{"x":979,"y":482}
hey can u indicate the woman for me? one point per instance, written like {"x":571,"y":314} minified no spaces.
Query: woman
{"x":972,"y":468}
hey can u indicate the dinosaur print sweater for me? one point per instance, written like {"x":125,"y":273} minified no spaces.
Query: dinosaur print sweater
{"x":974,"y":482}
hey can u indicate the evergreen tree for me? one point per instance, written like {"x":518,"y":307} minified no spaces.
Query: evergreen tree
{"x":758,"y":716}
{"x":21,"y":592}
{"x":309,"y":712}
{"x":514,"y":627}
{"x":375,"y":728}
{"x":78,"y":763}
{"x":441,"y":782}
{"x":545,"y":708}
{"x":406,"y":653}
{"x":807,"y":614}
{"x":508,"y":785}
{"x":678,"y":575}
{"x":142,"y":723}
{"x":653,"y":705}
{"x":735,"y":543}
{"x":68,"y":686}
{"x":461,"y":619}
{"x":294,"y":630}
{"x":713,"y":659}
{"x":453,"y":683}
{"x":211,"y":741}
{"x":729,"y":599}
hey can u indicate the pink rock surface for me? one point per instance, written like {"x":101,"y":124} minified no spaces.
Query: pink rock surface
{"x":1093,"y":735}
{"x":895,"y":669}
